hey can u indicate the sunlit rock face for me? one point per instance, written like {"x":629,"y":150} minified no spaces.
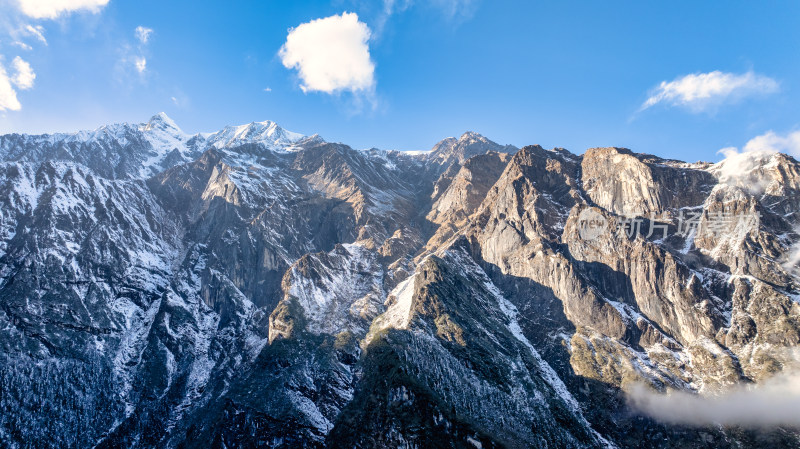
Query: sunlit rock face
{"x":258,"y":288}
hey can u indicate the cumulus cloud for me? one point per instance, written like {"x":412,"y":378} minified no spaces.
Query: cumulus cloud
{"x":8,"y":96}
{"x":700,"y":91}
{"x":50,"y":9}
{"x":771,"y":142}
{"x":772,"y":403}
{"x":143,"y":34}
{"x":24,"y":74}
{"x":22,"y":79}
{"x":331,"y":55}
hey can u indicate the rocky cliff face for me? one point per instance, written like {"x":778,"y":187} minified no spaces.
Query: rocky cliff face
{"x":258,"y":288}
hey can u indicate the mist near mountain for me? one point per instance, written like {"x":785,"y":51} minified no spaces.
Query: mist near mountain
{"x":772,"y":403}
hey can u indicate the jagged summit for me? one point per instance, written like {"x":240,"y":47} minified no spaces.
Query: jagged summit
{"x":472,"y":135}
{"x":140,"y":150}
{"x":253,"y":287}
{"x":452,"y":150}
{"x":161,"y":121}
{"x":266,"y":132}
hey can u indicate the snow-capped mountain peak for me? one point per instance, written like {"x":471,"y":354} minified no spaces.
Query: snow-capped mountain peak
{"x":471,"y":136}
{"x":130,"y":150}
{"x":255,"y":287}
{"x":165,"y":137}
{"x":160,"y":121}
{"x":470,"y":143}
{"x":267,"y":133}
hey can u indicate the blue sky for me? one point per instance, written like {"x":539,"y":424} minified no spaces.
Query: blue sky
{"x":568,"y":74}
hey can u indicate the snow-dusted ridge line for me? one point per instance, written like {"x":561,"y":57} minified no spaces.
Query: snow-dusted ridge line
{"x":548,"y":373}
{"x":398,"y":316}
{"x":149,"y":147}
{"x":255,"y":132}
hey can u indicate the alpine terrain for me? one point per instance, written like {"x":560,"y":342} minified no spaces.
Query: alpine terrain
{"x":257,"y":288}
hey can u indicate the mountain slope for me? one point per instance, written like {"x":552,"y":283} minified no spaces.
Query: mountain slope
{"x":255,"y":288}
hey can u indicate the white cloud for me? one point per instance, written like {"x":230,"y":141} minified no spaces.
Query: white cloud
{"x":331,"y":55}
{"x":37,"y":32}
{"x":23,"y":45}
{"x":8,"y":96}
{"x":140,"y":62}
{"x":774,"y":402}
{"x":179,"y":99}
{"x":379,"y":13}
{"x":24,"y":76}
{"x":744,"y":168}
{"x":143,"y":34}
{"x":22,"y":79}
{"x":22,"y":35}
{"x":390,"y":7}
{"x":775,"y":143}
{"x":135,"y":56}
{"x":792,"y":264}
{"x":457,"y":9}
{"x":50,"y":9}
{"x":267,"y":89}
{"x":700,"y":91}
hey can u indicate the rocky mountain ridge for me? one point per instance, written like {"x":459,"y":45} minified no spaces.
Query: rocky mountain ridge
{"x":258,"y":288}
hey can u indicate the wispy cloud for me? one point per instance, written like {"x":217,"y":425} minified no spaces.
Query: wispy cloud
{"x":772,"y":403}
{"x":36,"y":31}
{"x":390,"y":7}
{"x":699,"y":92}
{"x":457,"y":10}
{"x":22,"y":36}
{"x":331,"y":55}
{"x":51,"y":9}
{"x":135,"y":56}
{"x":772,"y":142}
{"x":742,"y":167}
{"x":140,"y":62}
{"x":143,"y":34}
{"x":22,"y":79}
{"x":22,"y":45}
{"x":792,"y":264}
{"x":180,"y":99}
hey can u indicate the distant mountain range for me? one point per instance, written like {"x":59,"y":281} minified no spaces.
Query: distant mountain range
{"x":255,"y":287}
